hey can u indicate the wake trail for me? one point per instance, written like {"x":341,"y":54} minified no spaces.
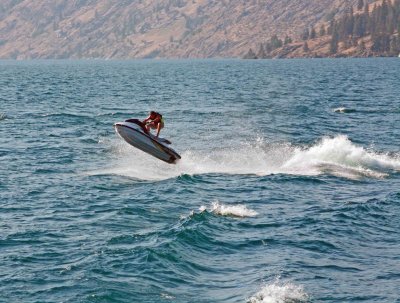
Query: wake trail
{"x":336,"y":156}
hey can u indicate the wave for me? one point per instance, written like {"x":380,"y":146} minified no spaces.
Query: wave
{"x":279,"y":292}
{"x":340,"y":157}
{"x":238,"y":210}
{"x":344,"y":110}
{"x":336,"y":156}
{"x":3,"y":116}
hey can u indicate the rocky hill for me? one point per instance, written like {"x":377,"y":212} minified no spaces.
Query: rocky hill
{"x":152,"y":28}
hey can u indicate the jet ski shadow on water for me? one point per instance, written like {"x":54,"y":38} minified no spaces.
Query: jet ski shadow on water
{"x":134,"y":132}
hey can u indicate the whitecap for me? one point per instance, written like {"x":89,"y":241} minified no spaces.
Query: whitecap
{"x":339,"y":156}
{"x":167,"y":296}
{"x":340,"y":110}
{"x":278,"y":292}
{"x":343,"y":110}
{"x":237,"y":210}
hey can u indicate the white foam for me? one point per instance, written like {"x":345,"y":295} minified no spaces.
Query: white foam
{"x":167,"y":296}
{"x":333,"y":156}
{"x":245,"y":159}
{"x":343,"y":110}
{"x":340,"y":109}
{"x":278,"y":292}
{"x":339,"y":156}
{"x":238,"y":210}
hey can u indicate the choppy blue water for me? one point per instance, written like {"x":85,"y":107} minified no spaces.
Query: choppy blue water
{"x":288,"y":189}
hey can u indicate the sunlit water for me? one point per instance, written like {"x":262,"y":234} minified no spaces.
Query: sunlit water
{"x":288,"y":189}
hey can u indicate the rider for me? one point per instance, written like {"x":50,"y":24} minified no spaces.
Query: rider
{"x":154,"y":121}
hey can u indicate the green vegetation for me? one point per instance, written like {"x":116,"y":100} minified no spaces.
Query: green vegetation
{"x":363,"y":33}
{"x":382,"y":25}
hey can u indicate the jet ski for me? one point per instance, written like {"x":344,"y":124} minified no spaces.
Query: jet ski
{"x":134,"y":132}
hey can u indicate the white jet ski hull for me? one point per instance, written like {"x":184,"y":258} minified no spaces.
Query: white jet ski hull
{"x":134,"y":133}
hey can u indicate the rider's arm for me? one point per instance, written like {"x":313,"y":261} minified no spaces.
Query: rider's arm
{"x":147,"y":119}
{"x":158,"y":129}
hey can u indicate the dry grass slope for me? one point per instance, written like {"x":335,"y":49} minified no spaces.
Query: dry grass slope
{"x":151,"y":28}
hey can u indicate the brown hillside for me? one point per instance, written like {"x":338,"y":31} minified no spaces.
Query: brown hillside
{"x":150,"y":28}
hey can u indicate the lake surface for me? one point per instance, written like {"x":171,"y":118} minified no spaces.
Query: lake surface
{"x":288,"y":189}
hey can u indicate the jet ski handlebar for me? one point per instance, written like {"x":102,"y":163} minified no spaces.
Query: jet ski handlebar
{"x":140,"y":123}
